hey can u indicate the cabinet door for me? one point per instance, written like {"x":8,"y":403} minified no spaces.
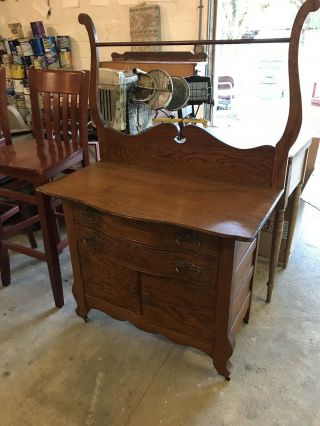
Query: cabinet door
{"x":108,"y":281}
{"x":179,"y":305}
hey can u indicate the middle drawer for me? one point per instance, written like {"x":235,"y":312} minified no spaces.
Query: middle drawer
{"x":147,"y":259}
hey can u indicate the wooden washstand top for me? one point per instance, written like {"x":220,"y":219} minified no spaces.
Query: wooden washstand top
{"x":222,"y":209}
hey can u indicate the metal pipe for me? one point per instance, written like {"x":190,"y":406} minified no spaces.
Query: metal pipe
{"x":194,"y":42}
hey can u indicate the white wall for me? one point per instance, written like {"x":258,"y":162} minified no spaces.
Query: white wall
{"x":179,"y":20}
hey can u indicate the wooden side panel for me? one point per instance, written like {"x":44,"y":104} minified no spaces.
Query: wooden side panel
{"x":243,"y":266}
{"x":77,"y":288}
{"x":201,"y":155}
{"x":187,"y":308}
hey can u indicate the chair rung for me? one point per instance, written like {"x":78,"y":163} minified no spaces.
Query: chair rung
{"x":13,"y":229}
{"x":6,"y":215}
{"x":15,"y":195}
{"x":24,"y":250}
{"x":62,"y":245}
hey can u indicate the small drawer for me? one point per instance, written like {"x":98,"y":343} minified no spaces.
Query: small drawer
{"x":246,"y":263}
{"x":146,"y":259}
{"x":166,"y":237}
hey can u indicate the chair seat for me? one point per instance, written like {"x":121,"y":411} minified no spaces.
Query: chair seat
{"x":27,"y":159}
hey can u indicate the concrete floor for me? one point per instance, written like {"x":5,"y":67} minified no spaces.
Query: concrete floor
{"x":57,"y":370}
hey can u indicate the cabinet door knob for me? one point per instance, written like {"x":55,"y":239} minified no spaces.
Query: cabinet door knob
{"x":187,"y":240}
{"x":133,"y":289}
{"x":186,"y":267}
{"x":146,"y":298}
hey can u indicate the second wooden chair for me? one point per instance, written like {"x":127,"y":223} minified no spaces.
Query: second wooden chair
{"x":59,"y":102}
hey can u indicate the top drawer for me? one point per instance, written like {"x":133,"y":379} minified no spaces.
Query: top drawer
{"x":167,"y":237}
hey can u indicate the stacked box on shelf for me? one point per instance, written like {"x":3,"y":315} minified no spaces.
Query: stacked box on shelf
{"x":19,"y":55}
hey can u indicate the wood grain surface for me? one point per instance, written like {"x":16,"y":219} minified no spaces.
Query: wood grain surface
{"x":222,"y":209}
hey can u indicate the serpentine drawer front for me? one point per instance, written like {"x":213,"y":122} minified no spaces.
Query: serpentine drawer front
{"x":167,"y":237}
{"x":146,"y":259}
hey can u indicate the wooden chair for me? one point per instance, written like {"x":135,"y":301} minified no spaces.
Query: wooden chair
{"x":59,"y":101}
{"x":10,"y":209}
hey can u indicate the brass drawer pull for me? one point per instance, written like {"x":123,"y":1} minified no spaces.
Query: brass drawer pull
{"x":187,"y":240}
{"x":94,"y":215}
{"x":186,"y":267}
{"x":93,"y":241}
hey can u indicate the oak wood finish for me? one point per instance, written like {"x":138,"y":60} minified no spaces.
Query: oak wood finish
{"x":180,"y":69}
{"x":60,"y":129}
{"x":176,"y":223}
{"x":160,"y":56}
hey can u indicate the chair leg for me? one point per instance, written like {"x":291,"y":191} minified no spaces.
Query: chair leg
{"x":275,"y":250}
{"x":48,"y":224}
{"x":4,"y":261}
{"x":24,"y":214}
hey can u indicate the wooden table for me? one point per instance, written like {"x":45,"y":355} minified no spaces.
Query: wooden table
{"x":240,"y":137}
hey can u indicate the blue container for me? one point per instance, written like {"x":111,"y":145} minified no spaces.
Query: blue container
{"x":37,"y":46}
{"x":14,"y":46}
{"x":49,"y":45}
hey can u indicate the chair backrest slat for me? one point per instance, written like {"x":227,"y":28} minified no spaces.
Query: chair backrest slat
{"x":65,"y":102}
{"x":47,"y":116}
{"x":74,"y":126}
{"x":65,"y":106}
{"x":56,"y":117}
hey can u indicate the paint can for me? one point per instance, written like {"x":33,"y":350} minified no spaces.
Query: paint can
{"x":27,"y":61}
{"x":65,"y":59}
{"x":49,"y":45}
{"x":3,"y":48}
{"x":8,"y":70}
{"x":26,"y":47}
{"x":16,"y":29}
{"x":14,"y":47}
{"x":17,"y":59}
{"x":39,"y":62}
{"x":17,"y":71}
{"x":6,"y":59}
{"x":18,"y":86}
{"x":64,"y":43}
{"x":37,"y":46}
{"x":52,"y":61}
{"x":37,"y":29}
{"x":64,"y":49}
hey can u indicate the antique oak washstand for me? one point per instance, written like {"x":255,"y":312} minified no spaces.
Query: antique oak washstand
{"x":164,"y":235}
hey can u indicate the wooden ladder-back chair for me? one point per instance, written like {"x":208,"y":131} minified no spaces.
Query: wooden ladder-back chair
{"x":10,"y":209}
{"x":59,"y":101}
